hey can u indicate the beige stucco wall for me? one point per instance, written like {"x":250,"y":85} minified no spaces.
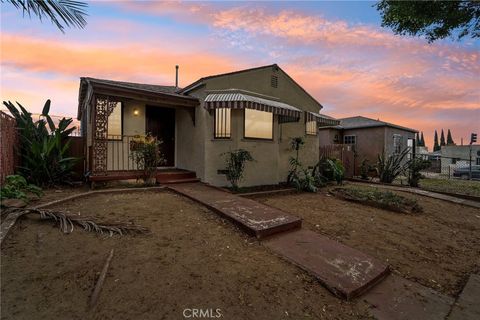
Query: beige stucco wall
{"x":271,"y":157}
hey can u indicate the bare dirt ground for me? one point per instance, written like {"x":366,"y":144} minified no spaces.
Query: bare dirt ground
{"x":438,"y":248}
{"x":192,"y":259}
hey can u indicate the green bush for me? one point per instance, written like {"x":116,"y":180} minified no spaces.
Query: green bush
{"x":43,"y":150}
{"x":145,"y":152}
{"x":305,"y":181}
{"x":365,"y":168}
{"x":235,"y":165}
{"x":329,"y":170}
{"x":17,"y":187}
{"x":414,"y":167}
{"x":295,"y":164}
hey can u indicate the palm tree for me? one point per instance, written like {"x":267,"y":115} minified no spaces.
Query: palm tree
{"x":62,"y":13}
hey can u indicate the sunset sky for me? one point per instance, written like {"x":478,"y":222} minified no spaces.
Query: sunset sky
{"x":336,"y":50}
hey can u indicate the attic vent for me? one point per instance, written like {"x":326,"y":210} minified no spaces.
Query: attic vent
{"x":274,"y":81}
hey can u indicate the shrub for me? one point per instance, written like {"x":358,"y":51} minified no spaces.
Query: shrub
{"x":414,"y":167}
{"x":42,"y":150}
{"x":329,"y":170}
{"x":235,"y":165}
{"x":390,"y":167}
{"x":295,"y":164}
{"x":17,"y":187}
{"x":145,"y":152}
{"x":365,"y":168}
{"x":305,"y":181}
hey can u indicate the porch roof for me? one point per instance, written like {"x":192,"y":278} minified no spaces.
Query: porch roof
{"x":235,"y":99}
{"x":131,"y":90}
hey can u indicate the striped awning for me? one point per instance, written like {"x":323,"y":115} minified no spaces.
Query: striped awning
{"x":322,"y":120}
{"x":235,"y":100}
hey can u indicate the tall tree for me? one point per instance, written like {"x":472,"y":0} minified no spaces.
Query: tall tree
{"x":422,"y":140}
{"x":62,"y":13}
{"x":450,"y":141}
{"x":432,"y":19}
{"x":442,"y":139}
{"x":436,"y":146}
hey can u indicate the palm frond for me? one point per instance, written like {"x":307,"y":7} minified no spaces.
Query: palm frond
{"x":67,"y":223}
{"x":62,"y":13}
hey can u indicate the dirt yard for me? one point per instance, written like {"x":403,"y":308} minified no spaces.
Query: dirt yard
{"x":438,"y":248}
{"x":192,"y":259}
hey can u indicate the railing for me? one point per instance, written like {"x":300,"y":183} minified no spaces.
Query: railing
{"x":119,"y":149}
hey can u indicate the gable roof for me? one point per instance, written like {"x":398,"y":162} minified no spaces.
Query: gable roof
{"x":359,"y":122}
{"x":201,"y":81}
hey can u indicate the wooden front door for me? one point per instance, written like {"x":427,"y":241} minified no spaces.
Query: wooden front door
{"x":161,"y":124}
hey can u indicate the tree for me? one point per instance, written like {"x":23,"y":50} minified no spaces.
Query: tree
{"x":432,"y":19}
{"x":436,"y":147}
{"x":62,"y":13}
{"x":442,"y":139}
{"x":422,"y":140}
{"x":450,"y":141}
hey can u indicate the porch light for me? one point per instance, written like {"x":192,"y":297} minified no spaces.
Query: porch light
{"x":136,"y":112}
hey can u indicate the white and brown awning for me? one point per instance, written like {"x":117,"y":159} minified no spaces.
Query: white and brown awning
{"x":237,"y":100}
{"x":322,"y":120}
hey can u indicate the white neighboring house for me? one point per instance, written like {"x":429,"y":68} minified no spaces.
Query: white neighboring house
{"x":453,"y":157}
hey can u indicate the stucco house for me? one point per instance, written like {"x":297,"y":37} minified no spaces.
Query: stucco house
{"x":258,"y":109}
{"x":368,"y":137}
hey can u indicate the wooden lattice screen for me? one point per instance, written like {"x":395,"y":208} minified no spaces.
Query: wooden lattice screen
{"x":8,"y":141}
{"x":103,"y":108}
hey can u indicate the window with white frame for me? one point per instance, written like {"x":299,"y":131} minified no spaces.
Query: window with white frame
{"x":311,"y":127}
{"x":258,"y":124}
{"x":397,"y":143}
{"x":222,"y":125}
{"x":350,"y":139}
{"x":115,"y":123}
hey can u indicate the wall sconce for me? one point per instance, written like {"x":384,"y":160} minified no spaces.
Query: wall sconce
{"x":136,"y":112}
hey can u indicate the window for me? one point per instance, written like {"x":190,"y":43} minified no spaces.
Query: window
{"x":222,"y":129}
{"x":115,"y":123}
{"x":311,"y":127}
{"x":397,"y":143}
{"x":350,"y":139}
{"x":258,"y":124}
{"x":478,"y":161}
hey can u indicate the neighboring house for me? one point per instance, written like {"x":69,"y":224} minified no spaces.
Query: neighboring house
{"x":454,"y":157}
{"x":257,"y":109}
{"x":368,"y":137}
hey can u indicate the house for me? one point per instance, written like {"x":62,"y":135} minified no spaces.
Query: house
{"x":258,"y":109}
{"x":455,"y":157}
{"x":368,"y":137}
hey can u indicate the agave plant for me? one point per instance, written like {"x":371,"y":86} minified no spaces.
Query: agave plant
{"x":43,"y":147}
{"x":391,"y":166}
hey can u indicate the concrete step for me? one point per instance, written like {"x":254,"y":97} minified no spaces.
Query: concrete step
{"x":345,"y":271}
{"x":173,"y":176}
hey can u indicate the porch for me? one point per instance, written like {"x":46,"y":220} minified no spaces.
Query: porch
{"x":121,"y":114}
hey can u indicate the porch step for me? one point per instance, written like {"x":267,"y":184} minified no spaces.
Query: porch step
{"x":176,"y":176}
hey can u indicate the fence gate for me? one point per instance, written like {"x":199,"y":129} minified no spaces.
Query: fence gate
{"x":342,"y":152}
{"x":8,"y":141}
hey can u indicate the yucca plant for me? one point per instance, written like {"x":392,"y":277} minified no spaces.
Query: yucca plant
{"x":391,"y":166}
{"x":43,"y":147}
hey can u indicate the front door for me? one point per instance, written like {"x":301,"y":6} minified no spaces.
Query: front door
{"x":161,"y":124}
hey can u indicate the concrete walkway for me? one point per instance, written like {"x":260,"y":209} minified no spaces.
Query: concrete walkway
{"x":344,"y":271}
{"x":426,"y":193}
{"x":255,"y":218}
{"x":467,"y":306}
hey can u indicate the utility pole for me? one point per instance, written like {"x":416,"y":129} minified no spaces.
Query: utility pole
{"x":473,"y":138}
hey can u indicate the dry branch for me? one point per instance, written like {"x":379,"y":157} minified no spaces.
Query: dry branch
{"x":101,"y":280}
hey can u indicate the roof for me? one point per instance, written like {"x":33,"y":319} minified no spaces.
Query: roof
{"x":324,"y":119}
{"x":202,"y":80}
{"x":149,"y":88}
{"x":359,"y":122}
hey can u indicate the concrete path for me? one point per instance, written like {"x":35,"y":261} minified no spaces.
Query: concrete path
{"x":345,"y":271}
{"x":255,"y":218}
{"x":426,"y":193}
{"x":397,"y":298}
{"x":467,"y":306}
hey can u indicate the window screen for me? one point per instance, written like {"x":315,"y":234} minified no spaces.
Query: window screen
{"x":222,"y":126}
{"x":311,"y":127}
{"x":258,"y":124}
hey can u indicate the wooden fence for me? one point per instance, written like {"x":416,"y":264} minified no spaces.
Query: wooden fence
{"x":8,"y":141}
{"x":342,"y":152}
